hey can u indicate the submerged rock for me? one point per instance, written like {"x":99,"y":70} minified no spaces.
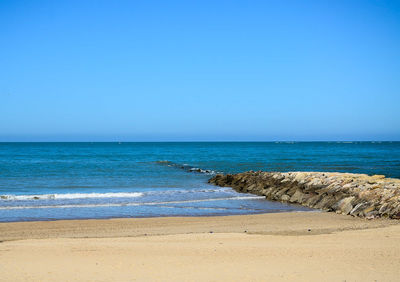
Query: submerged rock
{"x":345,"y":193}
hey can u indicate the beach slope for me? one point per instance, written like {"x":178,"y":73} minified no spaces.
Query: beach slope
{"x":304,"y":246}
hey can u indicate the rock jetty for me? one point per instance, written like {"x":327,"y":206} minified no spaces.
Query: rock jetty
{"x":345,"y":193}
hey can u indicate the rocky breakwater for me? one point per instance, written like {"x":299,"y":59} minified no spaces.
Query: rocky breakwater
{"x":346,"y":193}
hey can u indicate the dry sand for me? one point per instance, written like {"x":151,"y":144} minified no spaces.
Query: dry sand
{"x":306,"y":246}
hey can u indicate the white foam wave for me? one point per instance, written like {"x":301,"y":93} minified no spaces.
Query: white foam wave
{"x":187,"y":191}
{"x":130,"y":204}
{"x":70,"y":196}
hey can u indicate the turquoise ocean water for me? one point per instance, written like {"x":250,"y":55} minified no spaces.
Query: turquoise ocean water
{"x":46,"y":181}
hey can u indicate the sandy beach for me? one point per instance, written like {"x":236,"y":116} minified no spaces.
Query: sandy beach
{"x":199,"y":141}
{"x":302,"y":246}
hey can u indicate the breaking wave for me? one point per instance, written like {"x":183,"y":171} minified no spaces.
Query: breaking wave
{"x":129,"y":204}
{"x":70,"y":196}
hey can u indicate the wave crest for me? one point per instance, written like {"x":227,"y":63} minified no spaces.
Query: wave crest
{"x":132,"y":204}
{"x":70,"y":196}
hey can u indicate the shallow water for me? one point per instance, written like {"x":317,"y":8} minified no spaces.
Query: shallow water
{"x":44,"y":181}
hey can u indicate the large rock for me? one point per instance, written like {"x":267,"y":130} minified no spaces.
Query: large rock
{"x":344,"y":206}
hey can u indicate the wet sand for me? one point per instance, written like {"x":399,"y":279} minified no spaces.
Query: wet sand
{"x":303,"y":246}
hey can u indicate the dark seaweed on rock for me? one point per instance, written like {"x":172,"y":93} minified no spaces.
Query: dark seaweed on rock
{"x":186,"y":167}
{"x":345,"y":193}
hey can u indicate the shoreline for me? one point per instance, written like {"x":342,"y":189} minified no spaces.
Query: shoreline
{"x":282,"y":223}
{"x":164,"y":216}
{"x":300,"y":246}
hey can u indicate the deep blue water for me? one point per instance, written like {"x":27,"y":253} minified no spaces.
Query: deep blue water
{"x":44,"y":181}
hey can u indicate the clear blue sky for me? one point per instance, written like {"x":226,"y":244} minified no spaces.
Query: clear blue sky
{"x":199,"y":70}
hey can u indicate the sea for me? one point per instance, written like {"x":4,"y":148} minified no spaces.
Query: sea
{"x":54,"y":181}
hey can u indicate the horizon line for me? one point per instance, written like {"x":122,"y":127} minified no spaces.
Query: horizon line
{"x":216,"y":141}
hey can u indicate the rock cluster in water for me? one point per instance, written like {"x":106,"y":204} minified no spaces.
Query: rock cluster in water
{"x":186,"y":167}
{"x":346,"y":193}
